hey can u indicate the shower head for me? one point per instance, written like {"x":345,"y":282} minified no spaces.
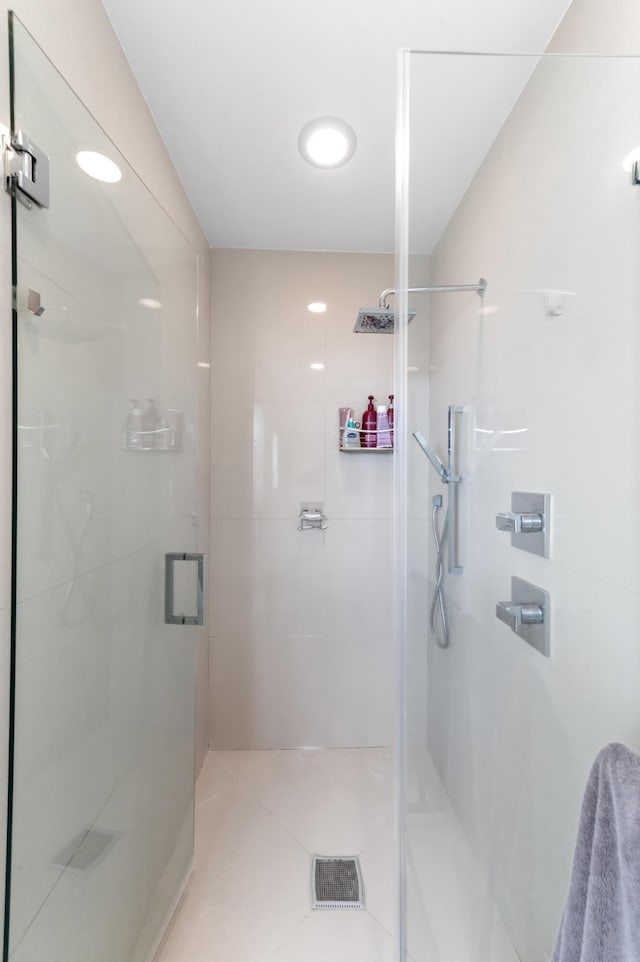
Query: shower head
{"x":381,"y":319}
{"x":431,"y":454}
{"x":377,"y":320}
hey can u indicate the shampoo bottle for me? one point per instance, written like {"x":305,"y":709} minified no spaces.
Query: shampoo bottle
{"x":390,"y":416}
{"x":369,"y":421}
{"x":384,"y":434}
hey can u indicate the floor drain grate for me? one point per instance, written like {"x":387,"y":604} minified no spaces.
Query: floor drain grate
{"x":336,"y":883}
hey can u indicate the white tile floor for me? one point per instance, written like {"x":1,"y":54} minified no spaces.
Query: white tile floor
{"x":259,"y":818}
{"x":451,"y":915}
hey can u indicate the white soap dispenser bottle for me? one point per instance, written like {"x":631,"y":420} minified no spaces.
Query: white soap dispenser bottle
{"x":133,"y":427}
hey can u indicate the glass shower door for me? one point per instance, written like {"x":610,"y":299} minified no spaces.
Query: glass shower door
{"x":105,"y":332}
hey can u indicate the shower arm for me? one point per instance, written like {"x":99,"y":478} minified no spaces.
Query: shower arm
{"x":478,"y":289}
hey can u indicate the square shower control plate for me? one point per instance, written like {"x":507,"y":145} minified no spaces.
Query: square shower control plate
{"x":538,"y":636}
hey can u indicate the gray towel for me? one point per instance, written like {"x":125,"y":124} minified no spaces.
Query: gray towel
{"x":601,"y":921}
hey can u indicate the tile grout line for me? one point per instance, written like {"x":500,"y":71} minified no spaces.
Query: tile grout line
{"x":265,"y":808}
{"x":242,"y":784}
{"x":289,"y":934}
{"x":210,"y":798}
{"x":282,"y":825}
{"x":378,"y":922}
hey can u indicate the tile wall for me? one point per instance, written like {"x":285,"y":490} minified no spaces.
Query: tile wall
{"x":301,"y":644}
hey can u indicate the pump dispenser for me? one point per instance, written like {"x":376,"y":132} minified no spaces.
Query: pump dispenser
{"x":150,"y":420}
{"x":369,"y":421}
{"x":390,"y":416}
{"x":384,"y":434}
{"x":133,"y":427}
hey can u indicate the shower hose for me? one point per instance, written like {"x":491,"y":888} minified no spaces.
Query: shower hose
{"x":438,"y":604}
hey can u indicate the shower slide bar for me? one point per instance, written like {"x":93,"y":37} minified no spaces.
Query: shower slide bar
{"x":448,"y":474}
{"x":447,"y":537}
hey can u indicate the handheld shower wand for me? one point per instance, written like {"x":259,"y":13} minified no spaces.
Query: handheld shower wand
{"x":431,"y":454}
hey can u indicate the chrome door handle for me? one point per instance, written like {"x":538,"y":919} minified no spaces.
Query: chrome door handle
{"x":170,"y":616}
{"x":527,"y":523}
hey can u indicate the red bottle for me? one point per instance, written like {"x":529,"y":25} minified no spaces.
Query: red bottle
{"x":390,"y":416}
{"x":369,"y":421}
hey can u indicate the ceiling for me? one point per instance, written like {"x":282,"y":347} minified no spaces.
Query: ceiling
{"x":231,"y":82}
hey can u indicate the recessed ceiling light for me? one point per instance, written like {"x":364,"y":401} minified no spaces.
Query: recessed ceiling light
{"x":203,"y":364}
{"x":317,"y":307}
{"x":327,"y":142}
{"x":317,"y":367}
{"x":150,"y":303}
{"x":98,"y":166}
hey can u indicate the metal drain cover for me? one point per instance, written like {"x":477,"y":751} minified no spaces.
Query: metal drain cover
{"x":336,"y":883}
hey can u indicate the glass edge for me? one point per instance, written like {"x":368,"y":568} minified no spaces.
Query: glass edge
{"x":400,"y":520}
{"x":399,"y":496}
{"x":12,"y":20}
{"x":523,"y":55}
{"x":15,"y":19}
{"x":14,"y":522}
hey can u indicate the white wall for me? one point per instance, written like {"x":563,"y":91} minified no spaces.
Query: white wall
{"x":77,"y":36}
{"x":514,"y":734}
{"x":301,"y":646}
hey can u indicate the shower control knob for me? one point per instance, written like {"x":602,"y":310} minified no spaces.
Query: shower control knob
{"x":518,"y":615}
{"x":529,"y":523}
{"x":527,"y":613}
